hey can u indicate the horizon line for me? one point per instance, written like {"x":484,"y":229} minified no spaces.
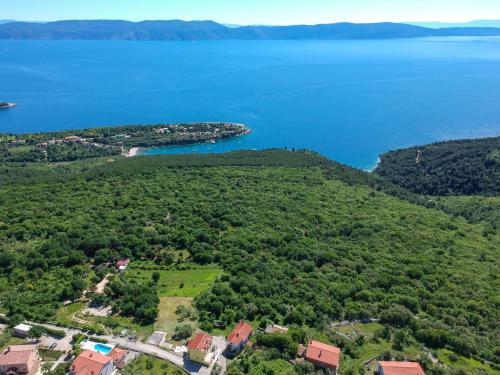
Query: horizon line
{"x":253,"y":24}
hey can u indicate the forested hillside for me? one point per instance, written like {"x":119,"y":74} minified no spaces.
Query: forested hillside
{"x":465,"y":167}
{"x":302,"y":241}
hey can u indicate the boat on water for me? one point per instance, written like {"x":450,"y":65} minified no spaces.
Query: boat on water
{"x":5,"y":105}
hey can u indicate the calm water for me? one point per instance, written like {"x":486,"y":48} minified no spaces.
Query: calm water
{"x":349,"y":100}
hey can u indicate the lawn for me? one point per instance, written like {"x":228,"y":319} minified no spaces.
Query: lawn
{"x":118,"y":323}
{"x":49,"y":355}
{"x":175,"y":283}
{"x":167,"y":318}
{"x":176,"y":287}
{"x":65,"y":313}
{"x":147,"y":365}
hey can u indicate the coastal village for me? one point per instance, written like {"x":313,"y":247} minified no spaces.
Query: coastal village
{"x":115,"y":141}
{"x":203,"y":354}
{"x":41,"y":348}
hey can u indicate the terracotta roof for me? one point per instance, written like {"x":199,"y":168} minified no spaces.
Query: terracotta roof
{"x":401,"y":368}
{"x":20,"y":356}
{"x":89,"y":363}
{"x":240,"y":333}
{"x":122,"y":262}
{"x":117,"y":354}
{"x":201,"y":342}
{"x":21,"y":348}
{"x":17,"y":354}
{"x":323,"y":354}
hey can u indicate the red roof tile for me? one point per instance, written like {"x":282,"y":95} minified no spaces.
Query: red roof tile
{"x":323,"y":354}
{"x":240,"y":333}
{"x":18,"y":355}
{"x":201,"y":342}
{"x":122,"y":262}
{"x":401,"y":368}
{"x":117,"y":354}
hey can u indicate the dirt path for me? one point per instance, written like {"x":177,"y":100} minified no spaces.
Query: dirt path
{"x":99,"y":288}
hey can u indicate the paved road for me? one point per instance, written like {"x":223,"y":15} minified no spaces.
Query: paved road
{"x":183,"y":362}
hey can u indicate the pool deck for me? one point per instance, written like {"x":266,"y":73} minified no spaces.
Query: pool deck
{"x":91,"y":345}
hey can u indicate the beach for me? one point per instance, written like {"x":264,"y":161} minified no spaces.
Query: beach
{"x":134,"y":151}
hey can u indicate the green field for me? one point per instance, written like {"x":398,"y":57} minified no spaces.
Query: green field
{"x":469,"y":365}
{"x":65,"y":313}
{"x":175,"y":283}
{"x":49,"y":355}
{"x":167,"y":318}
{"x":117,"y":323}
{"x":147,"y":365}
{"x":177,"y":287}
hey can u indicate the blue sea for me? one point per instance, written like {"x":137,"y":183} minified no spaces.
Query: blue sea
{"x":349,"y":100}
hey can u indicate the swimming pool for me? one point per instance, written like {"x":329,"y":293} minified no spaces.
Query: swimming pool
{"x":103,"y":349}
{"x":97,"y":347}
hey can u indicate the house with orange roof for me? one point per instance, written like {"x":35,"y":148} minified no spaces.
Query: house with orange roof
{"x":239,"y":336}
{"x":323,"y":355}
{"x":399,"y":368}
{"x":200,"y":349}
{"x":91,"y":363}
{"x":117,"y":356}
{"x":20,"y":360}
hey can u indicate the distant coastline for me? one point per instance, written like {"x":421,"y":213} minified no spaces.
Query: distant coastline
{"x":177,"y":30}
{"x":127,"y":140}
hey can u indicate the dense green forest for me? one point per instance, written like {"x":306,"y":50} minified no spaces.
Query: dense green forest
{"x":466,"y":167}
{"x":71,"y":145}
{"x":303,"y":241}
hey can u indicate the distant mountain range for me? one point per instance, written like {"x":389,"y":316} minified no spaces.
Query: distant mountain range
{"x":476,"y":23}
{"x":209,"y":30}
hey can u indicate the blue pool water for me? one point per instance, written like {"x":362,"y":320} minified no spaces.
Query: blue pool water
{"x":349,"y":100}
{"x":103,"y":349}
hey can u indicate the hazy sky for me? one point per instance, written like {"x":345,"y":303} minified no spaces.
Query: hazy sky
{"x":254,"y":11}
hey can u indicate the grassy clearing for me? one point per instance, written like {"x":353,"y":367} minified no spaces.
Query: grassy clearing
{"x":147,"y":365}
{"x":64,"y":314}
{"x":167,"y":318}
{"x":175,"y":283}
{"x":49,"y":355}
{"x":371,"y":348}
{"x":469,"y":365}
{"x":177,"y":287}
{"x":117,"y":323}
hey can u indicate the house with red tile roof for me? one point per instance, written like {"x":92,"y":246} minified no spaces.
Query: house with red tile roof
{"x":20,"y":360}
{"x":117,"y":355}
{"x":200,"y":349}
{"x":239,"y":336}
{"x":122,"y":264}
{"x":323,"y":355}
{"x":91,"y":363}
{"x":400,"y":368}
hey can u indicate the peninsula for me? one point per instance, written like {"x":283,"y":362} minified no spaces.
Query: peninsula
{"x":70,"y":145}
